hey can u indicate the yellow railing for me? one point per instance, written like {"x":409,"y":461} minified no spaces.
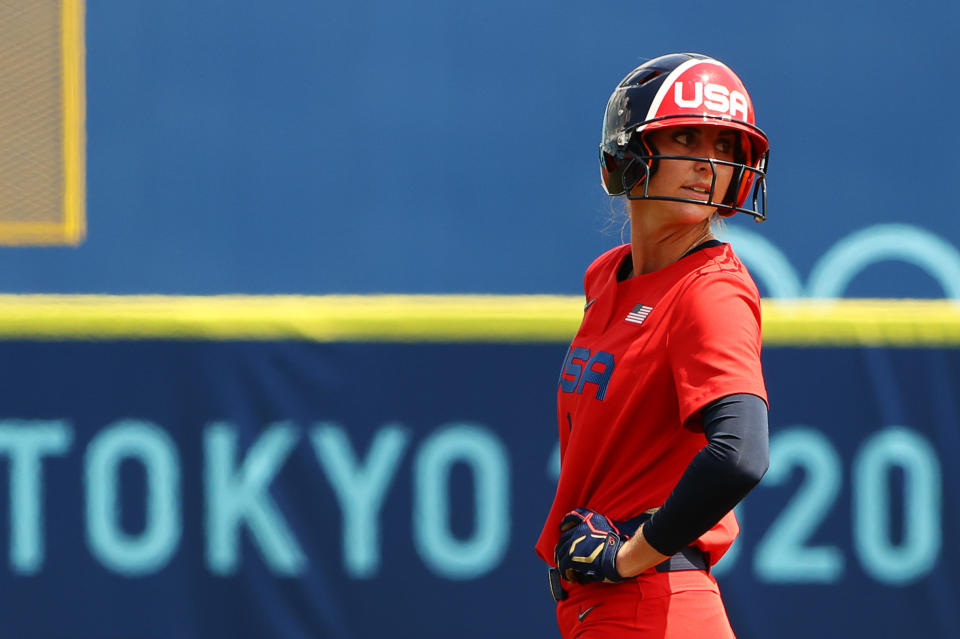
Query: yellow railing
{"x":437,"y":318}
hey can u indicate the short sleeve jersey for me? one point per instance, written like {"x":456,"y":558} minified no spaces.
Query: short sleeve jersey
{"x":652,"y":350}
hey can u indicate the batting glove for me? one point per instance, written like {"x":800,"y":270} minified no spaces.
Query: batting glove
{"x":588,"y":546}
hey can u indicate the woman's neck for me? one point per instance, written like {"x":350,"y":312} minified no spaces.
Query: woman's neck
{"x":653,"y":250}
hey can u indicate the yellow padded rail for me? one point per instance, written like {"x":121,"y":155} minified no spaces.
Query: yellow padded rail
{"x":437,"y":318}
{"x":863,"y":322}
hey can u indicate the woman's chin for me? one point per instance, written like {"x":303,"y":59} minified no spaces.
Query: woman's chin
{"x":685,"y":213}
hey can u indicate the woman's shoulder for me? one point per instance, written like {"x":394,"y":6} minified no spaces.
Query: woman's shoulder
{"x":721,"y":263}
{"x":721,"y":278}
{"x":600,"y":269}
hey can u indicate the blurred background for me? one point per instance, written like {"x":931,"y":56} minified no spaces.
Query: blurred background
{"x":167,"y":477}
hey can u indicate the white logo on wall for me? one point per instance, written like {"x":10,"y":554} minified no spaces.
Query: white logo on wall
{"x":833,"y":272}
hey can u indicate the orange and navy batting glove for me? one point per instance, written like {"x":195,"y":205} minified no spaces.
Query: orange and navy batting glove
{"x":588,"y":546}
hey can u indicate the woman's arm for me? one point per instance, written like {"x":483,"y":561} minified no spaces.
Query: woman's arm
{"x":719,"y":476}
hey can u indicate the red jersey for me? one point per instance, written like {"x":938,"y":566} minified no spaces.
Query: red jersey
{"x":651,"y":351}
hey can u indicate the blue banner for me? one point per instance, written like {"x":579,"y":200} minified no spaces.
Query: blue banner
{"x":296,"y":489}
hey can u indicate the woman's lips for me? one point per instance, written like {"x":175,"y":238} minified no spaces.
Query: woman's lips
{"x":700,"y":190}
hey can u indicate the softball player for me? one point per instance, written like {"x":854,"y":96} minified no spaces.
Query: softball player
{"x":661,"y":401}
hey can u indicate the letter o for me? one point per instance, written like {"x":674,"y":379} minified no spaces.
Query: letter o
{"x":149,"y":551}
{"x":444,"y":554}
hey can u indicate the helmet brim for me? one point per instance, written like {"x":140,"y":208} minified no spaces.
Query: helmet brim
{"x":759,"y":144}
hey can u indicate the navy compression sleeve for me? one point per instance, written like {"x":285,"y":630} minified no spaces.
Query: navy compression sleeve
{"x":719,"y":476}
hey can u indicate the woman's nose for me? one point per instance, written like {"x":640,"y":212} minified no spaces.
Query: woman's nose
{"x":704,"y":162}
{"x":705,"y":150}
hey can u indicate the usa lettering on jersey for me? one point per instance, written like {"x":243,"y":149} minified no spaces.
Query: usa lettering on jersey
{"x":581,"y":368}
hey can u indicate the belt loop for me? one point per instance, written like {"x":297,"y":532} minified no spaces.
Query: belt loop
{"x":556,"y":589}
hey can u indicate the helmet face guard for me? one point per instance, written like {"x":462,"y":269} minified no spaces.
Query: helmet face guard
{"x":683,"y":90}
{"x":743,"y":177}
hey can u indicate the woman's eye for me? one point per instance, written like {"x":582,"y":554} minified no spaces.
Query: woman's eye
{"x":724,"y":146}
{"x":682,"y":138}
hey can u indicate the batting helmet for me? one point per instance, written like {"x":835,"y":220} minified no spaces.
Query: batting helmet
{"x":682,"y":89}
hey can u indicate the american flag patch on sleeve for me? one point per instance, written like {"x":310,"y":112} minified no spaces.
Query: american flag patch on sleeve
{"x":638,"y":314}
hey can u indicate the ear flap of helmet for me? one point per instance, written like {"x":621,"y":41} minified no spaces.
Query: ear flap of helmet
{"x":623,"y":171}
{"x":611,"y":172}
{"x":644,"y":153}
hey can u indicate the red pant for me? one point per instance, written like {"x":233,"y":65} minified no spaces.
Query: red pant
{"x":683,"y":604}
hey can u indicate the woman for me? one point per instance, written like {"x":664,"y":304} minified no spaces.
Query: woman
{"x":661,"y":401}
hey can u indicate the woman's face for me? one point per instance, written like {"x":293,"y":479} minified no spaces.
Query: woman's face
{"x":688,"y":179}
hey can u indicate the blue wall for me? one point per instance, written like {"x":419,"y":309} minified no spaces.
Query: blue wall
{"x":316,"y":147}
